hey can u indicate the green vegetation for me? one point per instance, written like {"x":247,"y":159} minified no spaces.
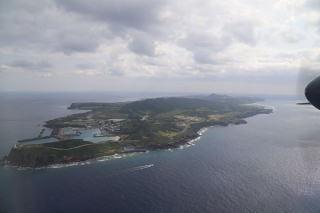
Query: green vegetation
{"x":46,"y":154}
{"x":148,"y":124}
{"x":66,"y":144}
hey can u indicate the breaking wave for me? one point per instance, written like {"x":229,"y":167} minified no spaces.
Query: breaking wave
{"x":193,"y":141}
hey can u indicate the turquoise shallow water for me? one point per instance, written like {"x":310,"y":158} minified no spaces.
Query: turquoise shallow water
{"x":100,"y":139}
{"x":88,"y":135}
{"x":270,"y":164}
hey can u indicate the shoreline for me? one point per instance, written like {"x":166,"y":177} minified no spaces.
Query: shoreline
{"x":182,"y":143}
{"x":273,"y":108}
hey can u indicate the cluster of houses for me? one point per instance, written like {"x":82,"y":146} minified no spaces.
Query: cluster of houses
{"x":109,"y":127}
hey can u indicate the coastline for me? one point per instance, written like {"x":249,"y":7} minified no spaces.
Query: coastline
{"x":181,"y":143}
{"x":273,"y":108}
{"x":187,"y":144}
{"x":76,"y":163}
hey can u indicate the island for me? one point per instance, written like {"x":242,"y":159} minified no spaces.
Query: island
{"x":105,"y":129}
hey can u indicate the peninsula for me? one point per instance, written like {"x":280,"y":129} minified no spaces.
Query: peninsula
{"x":113,"y":128}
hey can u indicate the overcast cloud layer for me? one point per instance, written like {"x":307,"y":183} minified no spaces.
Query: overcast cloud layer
{"x":230,"y":46}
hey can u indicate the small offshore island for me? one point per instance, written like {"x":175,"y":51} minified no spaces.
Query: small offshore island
{"x":113,"y":128}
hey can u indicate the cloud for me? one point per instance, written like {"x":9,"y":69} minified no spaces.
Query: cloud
{"x":158,"y":39}
{"x":31,"y":66}
{"x":291,"y":36}
{"x":300,"y":12}
{"x":115,"y":72}
{"x":313,"y":4}
{"x":205,"y":45}
{"x":314,"y":12}
{"x":73,"y":44}
{"x":137,"y":14}
{"x":85,"y":66}
{"x":40,"y":26}
{"x":243,"y":31}
{"x":4,"y":67}
{"x":142,"y":44}
{"x":45,"y":75}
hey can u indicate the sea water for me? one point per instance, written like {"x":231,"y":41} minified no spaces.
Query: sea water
{"x":270,"y":164}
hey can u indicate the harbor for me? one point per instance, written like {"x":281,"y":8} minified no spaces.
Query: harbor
{"x":95,"y":131}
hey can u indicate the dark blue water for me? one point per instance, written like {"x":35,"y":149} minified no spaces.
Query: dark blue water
{"x":270,"y":164}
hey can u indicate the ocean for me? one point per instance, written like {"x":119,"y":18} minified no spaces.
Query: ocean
{"x":270,"y":164}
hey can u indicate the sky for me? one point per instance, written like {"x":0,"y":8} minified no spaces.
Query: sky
{"x":195,"y":46}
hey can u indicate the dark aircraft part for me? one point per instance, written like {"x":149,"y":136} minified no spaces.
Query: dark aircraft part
{"x":312,"y":92}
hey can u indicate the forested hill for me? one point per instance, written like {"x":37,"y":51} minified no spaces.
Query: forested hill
{"x":165,"y":104}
